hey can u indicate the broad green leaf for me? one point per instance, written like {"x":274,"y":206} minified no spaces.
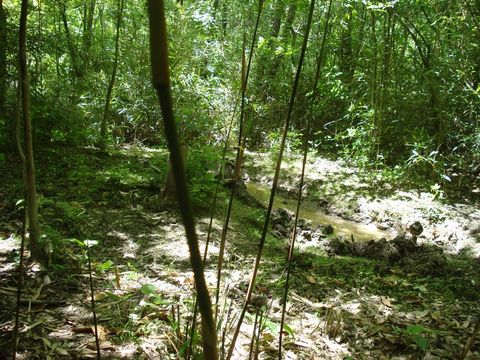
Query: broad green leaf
{"x":147,"y":289}
{"x":106,"y":265}
{"x":415,"y":329}
{"x":288,"y":330}
{"x":421,"y":342}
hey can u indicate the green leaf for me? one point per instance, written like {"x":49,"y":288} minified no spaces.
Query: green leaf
{"x":106,"y":265}
{"x":288,"y":330}
{"x":415,"y":329}
{"x":421,"y":342}
{"x":148,"y":289}
{"x":76,"y":241}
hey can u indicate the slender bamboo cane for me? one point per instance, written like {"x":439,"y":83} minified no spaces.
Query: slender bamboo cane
{"x":238,"y":159}
{"x":161,"y":82}
{"x":209,"y":233}
{"x":302,"y":178}
{"x":274,"y":183}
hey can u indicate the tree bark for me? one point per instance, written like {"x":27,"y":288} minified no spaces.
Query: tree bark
{"x":80,"y":56}
{"x":3,"y":58}
{"x":161,"y":82}
{"x":37,"y":252}
{"x":72,"y":49}
{"x":106,"y":111}
{"x":87,"y":34}
{"x":170,"y":189}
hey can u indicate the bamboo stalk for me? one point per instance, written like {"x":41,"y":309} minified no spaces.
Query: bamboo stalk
{"x":274,"y":183}
{"x":161,"y":82}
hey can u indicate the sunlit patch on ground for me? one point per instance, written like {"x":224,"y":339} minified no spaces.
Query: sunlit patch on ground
{"x":8,"y":246}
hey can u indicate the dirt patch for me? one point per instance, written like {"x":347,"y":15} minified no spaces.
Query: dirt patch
{"x":352,"y":194}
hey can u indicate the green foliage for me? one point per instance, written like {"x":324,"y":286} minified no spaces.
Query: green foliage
{"x":202,"y":165}
{"x":293,"y":143}
{"x":415,"y":332}
{"x":148,"y":289}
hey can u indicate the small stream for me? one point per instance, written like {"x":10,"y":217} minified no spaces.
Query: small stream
{"x":342,"y":227}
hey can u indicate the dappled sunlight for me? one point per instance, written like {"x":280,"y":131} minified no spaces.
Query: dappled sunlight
{"x":317,"y":216}
{"x":8,"y":247}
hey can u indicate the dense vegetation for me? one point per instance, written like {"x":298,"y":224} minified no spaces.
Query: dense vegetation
{"x":389,"y":87}
{"x":398,"y":87}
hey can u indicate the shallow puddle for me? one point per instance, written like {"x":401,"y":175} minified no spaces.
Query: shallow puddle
{"x":317,"y":216}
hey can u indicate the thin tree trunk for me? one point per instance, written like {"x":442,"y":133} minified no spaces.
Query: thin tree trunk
{"x":18,"y":125}
{"x":276,"y":177}
{"x":72,"y":49}
{"x":161,"y":82}
{"x":286,"y":28}
{"x":88,"y":35}
{"x":374,"y":84}
{"x":384,"y":79}
{"x":106,"y":111}
{"x":169,"y":191}
{"x":37,"y":252}
{"x":302,"y":177}
{"x":3,"y":58}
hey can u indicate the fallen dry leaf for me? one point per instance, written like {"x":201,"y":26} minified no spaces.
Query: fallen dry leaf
{"x":386,"y":301}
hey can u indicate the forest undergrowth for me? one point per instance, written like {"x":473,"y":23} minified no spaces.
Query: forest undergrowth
{"x":340,"y":307}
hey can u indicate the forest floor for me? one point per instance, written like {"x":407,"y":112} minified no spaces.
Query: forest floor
{"x":344,"y":303}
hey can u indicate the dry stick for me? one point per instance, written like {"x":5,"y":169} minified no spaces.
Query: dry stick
{"x":302,"y":178}
{"x":274,"y":184}
{"x":92,"y":299}
{"x":238,"y":160}
{"x":470,"y":341}
{"x":20,"y":277}
{"x":209,"y":232}
{"x":161,"y":82}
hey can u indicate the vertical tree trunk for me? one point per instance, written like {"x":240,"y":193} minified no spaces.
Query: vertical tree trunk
{"x":37,"y":252}
{"x":80,"y":57}
{"x":374,"y":82}
{"x":87,"y":34}
{"x":38,"y":84}
{"x":72,"y":49}
{"x":346,"y":49}
{"x":387,"y":30}
{"x":286,"y":28}
{"x":106,"y":111}
{"x":3,"y":59}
